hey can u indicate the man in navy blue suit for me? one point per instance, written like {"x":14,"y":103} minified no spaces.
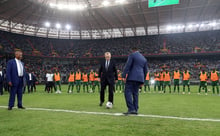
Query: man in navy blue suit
{"x":134,"y":76}
{"x":1,"y":81}
{"x":15,"y":73}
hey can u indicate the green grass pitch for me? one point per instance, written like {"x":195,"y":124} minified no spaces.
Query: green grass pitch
{"x":48,"y":123}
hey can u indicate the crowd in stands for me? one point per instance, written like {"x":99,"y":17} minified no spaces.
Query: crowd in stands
{"x":153,"y":44}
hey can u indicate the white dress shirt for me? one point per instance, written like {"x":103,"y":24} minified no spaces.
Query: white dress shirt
{"x":0,"y":73}
{"x":49,"y":77}
{"x":107,"y":64}
{"x":19,"y":67}
{"x":30,"y":77}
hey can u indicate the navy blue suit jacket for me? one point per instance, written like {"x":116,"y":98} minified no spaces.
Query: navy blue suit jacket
{"x":12,"y":72}
{"x":135,"y":68}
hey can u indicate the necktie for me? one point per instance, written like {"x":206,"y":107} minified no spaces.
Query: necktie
{"x":106,"y":65}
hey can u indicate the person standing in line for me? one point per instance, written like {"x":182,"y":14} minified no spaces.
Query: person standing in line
{"x":57,"y":79}
{"x":167,"y":81}
{"x":1,"y":81}
{"x":146,"y":83}
{"x":96,"y":81}
{"x":34,"y":81}
{"x":91,"y":80}
{"x":186,"y":80}
{"x":49,"y":82}
{"x":85,"y":82}
{"x":119,"y":83}
{"x":71,"y":80}
{"x":78,"y":80}
{"x":214,"y":77}
{"x":156,"y":79}
{"x":161,"y":80}
{"x":203,"y":75}
{"x":176,"y":80}
{"x":29,"y":81}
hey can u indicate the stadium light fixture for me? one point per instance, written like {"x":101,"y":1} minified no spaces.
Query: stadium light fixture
{"x":71,"y":7}
{"x":169,"y":27}
{"x":58,"y":26}
{"x":120,"y":1}
{"x":76,"y":7}
{"x":202,"y":25}
{"x":52,"y":5}
{"x":106,"y":3}
{"x":197,"y":25}
{"x":175,"y":27}
{"x":47,"y":24}
{"x":68,"y":27}
{"x":213,"y":24}
{"x":190,"y":26}
{"x":61,"y":6}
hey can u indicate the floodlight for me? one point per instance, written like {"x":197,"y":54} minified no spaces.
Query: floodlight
{"x":47,"y":24}
{"x":169,"y":27}
{"x":105,"y":3}
{"x":68,"y":27}
{"x":120,"y":1}
{"x":58,"y":26}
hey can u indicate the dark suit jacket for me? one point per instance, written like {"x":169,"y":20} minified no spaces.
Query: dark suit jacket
{"x":135,"y":68}
{"x":110,"y":75}
{"x":28,"y":78}
{"x":34,"y":78}
{"x":12,"y":72}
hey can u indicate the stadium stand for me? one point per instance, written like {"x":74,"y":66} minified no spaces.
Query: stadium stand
{"x":195,"y":42}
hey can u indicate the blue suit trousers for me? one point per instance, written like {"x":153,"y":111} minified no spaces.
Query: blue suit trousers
{"x":16,"y":90}
{"x":131,"y":95}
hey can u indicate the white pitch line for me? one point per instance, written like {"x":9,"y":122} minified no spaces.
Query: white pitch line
{"x":121,"y":114}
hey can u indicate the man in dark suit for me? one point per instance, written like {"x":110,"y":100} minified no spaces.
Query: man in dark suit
{"x":34,"y":81}
{"x":108,"y":76}
{"x":15,"y":77}
{"x":1,"y":81}
{"x":30,"y":81}
{"x":134,"y":76}
{"x":5,"y":83}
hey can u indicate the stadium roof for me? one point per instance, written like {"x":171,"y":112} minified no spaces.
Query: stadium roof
{"x":116,"y":17}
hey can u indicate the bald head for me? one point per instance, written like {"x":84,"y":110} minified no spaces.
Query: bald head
{"x":107,"y":55}
{"x":18,"y":55}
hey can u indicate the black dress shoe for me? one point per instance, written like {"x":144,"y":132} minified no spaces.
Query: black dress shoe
{"x":9,"y":108}
{"x":130,"y":113}
{"x":101,"y":103}
{"x":21,"y":107}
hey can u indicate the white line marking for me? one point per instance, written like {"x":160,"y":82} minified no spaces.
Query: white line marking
{"x":121,"y":114}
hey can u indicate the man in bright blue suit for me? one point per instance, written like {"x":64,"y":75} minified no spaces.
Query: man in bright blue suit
{"x":15,"y":73}
{"x":134,"y":76}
